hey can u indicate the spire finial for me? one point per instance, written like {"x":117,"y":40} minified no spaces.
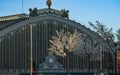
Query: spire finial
{"x":49,"y":3}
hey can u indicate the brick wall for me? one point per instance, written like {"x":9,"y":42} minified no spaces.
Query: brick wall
{"x":118,"y":61}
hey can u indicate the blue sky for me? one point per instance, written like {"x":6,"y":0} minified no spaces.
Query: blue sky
{"x":83,"y":11}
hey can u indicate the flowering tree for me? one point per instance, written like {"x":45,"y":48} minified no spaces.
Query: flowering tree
{"x":64,"y":43}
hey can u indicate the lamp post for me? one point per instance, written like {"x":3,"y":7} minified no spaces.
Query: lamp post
{"x":101,"y":56}
{"x":30,"y":49}
{"x":115,"y":62}
{"x":67,"y":57}
{"x":101,"y":63}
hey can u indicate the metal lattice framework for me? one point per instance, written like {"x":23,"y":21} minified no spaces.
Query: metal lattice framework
{"x":15,"y":42}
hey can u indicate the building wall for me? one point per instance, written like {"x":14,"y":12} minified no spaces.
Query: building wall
{"x":118,"y":61}
{"x":13,"y":17}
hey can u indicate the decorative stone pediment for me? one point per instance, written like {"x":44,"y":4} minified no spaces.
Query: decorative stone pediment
{"x":46,"y":11}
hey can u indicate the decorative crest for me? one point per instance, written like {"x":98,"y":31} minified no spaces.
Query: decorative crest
{"x":49,"y":3}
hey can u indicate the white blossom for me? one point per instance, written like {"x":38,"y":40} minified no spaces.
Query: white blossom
{"x":64,"y":41}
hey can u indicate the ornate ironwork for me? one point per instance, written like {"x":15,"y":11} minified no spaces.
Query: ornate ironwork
{"x":14,"y":44}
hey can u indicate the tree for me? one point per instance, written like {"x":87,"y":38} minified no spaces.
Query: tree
{"x":118,"y":35}
{"x":106,"y":33}
{"x":103,"y":31}
{"x":64,"y":43}
{"x":89,"y":49}
{"x":118,"y":39}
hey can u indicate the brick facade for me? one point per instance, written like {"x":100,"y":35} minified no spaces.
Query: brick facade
{"x":118,"y":61}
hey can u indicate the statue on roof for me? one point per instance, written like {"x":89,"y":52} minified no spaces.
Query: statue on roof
{"x":33,"y":12}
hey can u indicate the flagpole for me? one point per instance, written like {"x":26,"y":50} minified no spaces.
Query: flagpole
{"x":22,"y":6}
{"x":30,"y":49}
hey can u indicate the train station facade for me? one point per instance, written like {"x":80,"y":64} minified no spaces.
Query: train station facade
{"x":15,"y":45}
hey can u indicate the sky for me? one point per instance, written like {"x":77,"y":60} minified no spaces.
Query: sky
{"x":82,"y":11}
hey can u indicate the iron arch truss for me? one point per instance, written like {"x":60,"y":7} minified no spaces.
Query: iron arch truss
{"x":14,"y":44}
